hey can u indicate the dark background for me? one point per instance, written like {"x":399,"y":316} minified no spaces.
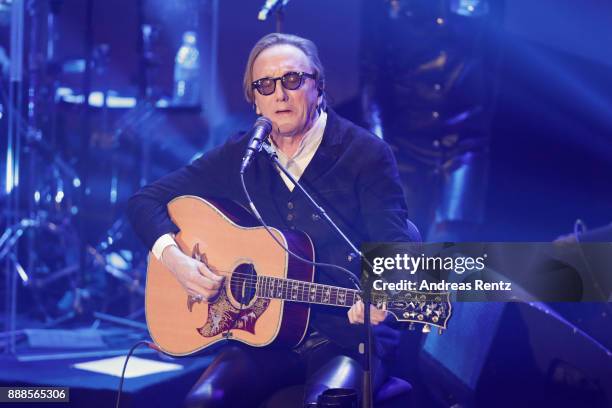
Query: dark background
{"x":551,"y":151}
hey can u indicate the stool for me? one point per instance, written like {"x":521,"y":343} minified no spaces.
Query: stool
{"x":394,"y":393}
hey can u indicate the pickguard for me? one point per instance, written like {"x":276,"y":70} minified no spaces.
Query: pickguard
{"x":223,"y":316}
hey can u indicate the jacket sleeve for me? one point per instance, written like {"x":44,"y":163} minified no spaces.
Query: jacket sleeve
{"x":147,"y":209}
{"x":381,"y":197}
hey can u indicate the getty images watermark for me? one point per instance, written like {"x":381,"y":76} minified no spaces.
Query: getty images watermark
{"x":412,"y":264}
{"x":524,"y":271}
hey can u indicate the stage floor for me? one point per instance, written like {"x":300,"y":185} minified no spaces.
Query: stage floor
{"x":55,"y":367}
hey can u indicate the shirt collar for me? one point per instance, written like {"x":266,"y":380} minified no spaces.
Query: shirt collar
{"x":311,"y":140}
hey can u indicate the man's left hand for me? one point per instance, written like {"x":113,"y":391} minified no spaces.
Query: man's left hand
{"x":355,"y":314}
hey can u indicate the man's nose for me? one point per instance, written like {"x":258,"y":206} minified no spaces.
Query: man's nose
{"x":280,"y":93}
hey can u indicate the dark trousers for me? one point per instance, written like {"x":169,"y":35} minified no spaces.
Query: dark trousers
{"x":243,"y":376}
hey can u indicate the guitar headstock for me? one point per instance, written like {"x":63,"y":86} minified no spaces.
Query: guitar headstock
{"x":426,"y":308}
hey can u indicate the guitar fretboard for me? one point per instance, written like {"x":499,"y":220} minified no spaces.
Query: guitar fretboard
{"x":309,"y":292}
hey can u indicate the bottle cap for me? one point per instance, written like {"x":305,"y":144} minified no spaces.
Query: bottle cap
{"x":189,"y":37}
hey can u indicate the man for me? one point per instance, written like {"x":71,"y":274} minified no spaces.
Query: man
{"x":350,"y":172}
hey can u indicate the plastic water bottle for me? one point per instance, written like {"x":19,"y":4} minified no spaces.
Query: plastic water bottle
{"x":187,"y":72}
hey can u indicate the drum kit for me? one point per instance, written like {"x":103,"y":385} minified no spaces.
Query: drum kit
{"x":67,"y":242}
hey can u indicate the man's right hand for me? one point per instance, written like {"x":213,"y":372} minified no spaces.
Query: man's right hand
{"x":193,"y":275}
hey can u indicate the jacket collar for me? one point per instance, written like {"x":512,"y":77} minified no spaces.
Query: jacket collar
{"x":328,"y":150}
{"x":334,"y":131}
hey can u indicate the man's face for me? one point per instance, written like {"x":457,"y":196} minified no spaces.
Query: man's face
{"x":291,"y":112}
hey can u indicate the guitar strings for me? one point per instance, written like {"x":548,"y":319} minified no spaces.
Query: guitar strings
{"x":289,"y":291}
{"x":254,"y":281}
{"x":264,"y":288}
{"x":376,"y":297}
{"x":293,"y":286}
{"x":257,"y":283}
{"x":309,"y":297}
{"x":251,"y":276}
{"x":286,"y":292}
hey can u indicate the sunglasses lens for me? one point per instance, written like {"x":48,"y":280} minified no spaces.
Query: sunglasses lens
{"x":266,"y":86}
{"x":292,"y":81}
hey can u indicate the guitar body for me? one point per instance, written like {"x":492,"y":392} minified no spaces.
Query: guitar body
{"x":226,"y":237}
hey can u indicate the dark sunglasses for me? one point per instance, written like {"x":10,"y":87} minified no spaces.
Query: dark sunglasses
{"x":290,"y":81}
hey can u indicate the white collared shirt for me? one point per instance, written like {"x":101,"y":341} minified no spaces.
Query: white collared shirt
{"x":296,"y":165}
{"x":305,"y":152}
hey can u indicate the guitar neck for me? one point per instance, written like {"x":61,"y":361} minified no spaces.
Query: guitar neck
{"x":306,"y":292}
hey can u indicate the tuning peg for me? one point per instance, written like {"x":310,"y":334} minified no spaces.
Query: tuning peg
{"x":440,"y":332}
{"x":426,"y":329}
{"x":411,"y":326}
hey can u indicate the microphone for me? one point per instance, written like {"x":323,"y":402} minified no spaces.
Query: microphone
{"x":261,"y":130}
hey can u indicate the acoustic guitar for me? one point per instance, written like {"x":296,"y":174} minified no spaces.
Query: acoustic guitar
{"x":266,"y":296}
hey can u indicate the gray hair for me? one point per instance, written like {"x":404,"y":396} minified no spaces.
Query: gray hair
{"x":303,"y":44}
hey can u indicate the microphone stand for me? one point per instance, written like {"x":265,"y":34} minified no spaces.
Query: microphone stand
{"x":279,"y":18}
{"x":367,"y":398}
{"x":273,"y":6}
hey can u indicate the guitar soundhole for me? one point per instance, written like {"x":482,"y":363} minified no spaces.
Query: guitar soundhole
{"x":243,"y":283}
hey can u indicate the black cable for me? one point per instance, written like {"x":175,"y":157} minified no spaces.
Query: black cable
{"x":129,"y":354}
{"x":580,"y":228}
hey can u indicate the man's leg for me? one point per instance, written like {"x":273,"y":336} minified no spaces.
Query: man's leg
{"x":242,"y":377}
{"x":327,"y":367}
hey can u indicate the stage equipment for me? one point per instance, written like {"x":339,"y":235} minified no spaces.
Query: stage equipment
{"x":40,"y":240}
{"x":516,"y":354}
{"x":40,"y":244}
{"x":273,"y":6}
{"x":432,"y":101}
{"x":51,"y":266}
{"x":80,"y":152}
{"x":13,"y":156}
